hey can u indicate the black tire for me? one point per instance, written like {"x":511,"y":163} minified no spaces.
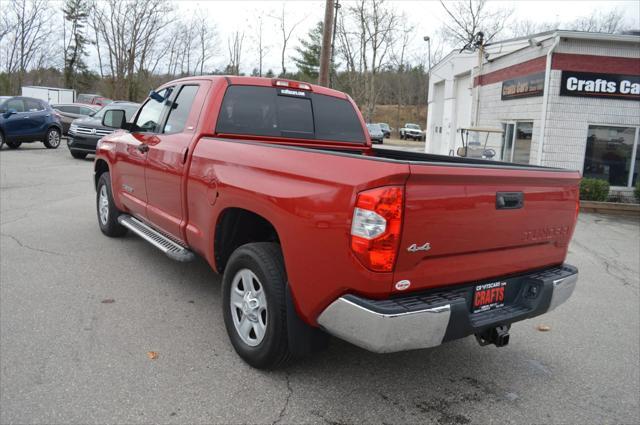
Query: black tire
{"x":13,"y":145}
{"x":78,"y":155}
{"x":401,"y":136}
{"x":52,"y":138}
{"x":2,"y":140}
{"x":110,"y":226}
{"x":265,"y":260}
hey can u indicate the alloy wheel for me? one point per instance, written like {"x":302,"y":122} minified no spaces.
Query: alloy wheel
{"x":249,"y":309}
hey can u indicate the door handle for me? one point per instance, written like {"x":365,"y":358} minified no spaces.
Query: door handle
{"x":143,"y":148}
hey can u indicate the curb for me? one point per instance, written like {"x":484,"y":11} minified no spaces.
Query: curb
{"x":612,"y":208}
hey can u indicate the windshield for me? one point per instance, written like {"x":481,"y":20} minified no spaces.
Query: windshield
{"x":384,"y":126}
{"x":413,"y":126}
{"x":374,"y":127}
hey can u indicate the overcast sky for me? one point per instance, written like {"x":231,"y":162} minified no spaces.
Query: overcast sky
{"x":426,"y":16}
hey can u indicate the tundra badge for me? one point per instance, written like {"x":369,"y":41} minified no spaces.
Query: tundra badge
{"x":415,"y":248}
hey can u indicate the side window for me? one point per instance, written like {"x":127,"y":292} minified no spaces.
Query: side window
{"x":180,"y":110}
{"x":149,"y":116}
{"x":73,"y":109}
{"x":32,"y":105}
{"x":16,"y":104}
{"x":86,"y":111}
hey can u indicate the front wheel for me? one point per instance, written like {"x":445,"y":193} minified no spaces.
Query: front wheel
{"x":52,"y":138}
{"x":106,"y":209}
{"x":254,"y":305}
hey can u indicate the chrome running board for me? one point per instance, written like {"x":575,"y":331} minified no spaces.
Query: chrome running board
{"x":173,"y":249}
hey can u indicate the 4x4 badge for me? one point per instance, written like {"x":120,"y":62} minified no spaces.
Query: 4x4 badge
{"x":416,"y":248}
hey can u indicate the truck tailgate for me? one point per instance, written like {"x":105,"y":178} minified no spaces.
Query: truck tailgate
{"x":462,"y":232}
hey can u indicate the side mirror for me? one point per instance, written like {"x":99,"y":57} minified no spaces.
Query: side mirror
{"x":462,"y":151}
{"x":10,"y":112}
{"x":114,"y":118}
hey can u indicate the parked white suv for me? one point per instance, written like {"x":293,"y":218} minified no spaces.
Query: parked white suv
{"x":411,"y":131}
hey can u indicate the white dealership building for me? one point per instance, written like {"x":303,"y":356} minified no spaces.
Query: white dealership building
{"x":580,"y":90}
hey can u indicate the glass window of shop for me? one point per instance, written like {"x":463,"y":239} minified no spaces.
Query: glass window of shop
{"x":611,"y":155}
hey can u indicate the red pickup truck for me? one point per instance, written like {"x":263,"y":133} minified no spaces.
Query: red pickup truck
{"x":276,"y":184}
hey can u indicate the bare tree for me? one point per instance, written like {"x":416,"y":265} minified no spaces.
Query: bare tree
{"x":286,"y":33}
{"x":234,"y":43}
{"x":130,"y":32}
{"x":261,"y":48}
{"x":466,"y":18}
{"x":526,"y":27}
{"x":365,"y":35}
{"x":599,"y":21}
{"x":206,"y":39}
{"x":26,"y":30}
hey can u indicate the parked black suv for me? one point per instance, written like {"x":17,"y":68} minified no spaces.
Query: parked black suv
{"x":84,"y":133}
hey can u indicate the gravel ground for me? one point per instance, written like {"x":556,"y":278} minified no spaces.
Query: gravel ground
{"x":79,"y":312}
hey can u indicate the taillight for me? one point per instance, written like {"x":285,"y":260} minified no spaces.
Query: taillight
{"x":375,"y":228}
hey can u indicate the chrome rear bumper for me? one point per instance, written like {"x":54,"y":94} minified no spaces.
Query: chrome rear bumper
{"x":427,"y":320}
{"x":385,"y":333}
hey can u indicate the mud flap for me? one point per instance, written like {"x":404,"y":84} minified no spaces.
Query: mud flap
{"x":303,"y":339}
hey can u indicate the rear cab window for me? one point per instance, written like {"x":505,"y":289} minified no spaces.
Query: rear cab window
{"x":288,"y":113}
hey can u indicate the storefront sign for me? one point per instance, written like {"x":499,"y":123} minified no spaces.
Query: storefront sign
{"x":531,"y":85}
{"x":608,"y":86}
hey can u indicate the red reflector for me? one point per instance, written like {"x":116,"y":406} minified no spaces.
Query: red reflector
{"x":374,"y":242}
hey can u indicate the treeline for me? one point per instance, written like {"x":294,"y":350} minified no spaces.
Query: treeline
{"x":140,"y":44}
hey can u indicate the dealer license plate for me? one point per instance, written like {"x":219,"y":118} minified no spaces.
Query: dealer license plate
{"x":489,"y":296}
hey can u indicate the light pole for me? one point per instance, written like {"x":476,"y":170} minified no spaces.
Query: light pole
{"x":426,"y":124}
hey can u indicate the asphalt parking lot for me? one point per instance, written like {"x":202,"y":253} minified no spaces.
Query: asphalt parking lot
{"x":79,"y":312}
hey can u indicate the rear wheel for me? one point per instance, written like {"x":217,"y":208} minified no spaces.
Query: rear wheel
{"x":78,"y":155}
{"x":52,"y":138}
{"x":106,"y":209}
{"x":13,"y":145}
{"x":254,"y":304}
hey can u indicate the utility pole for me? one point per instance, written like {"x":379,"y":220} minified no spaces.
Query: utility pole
{"x":479,"y":44}
{"x":333,"y":42}
{"x":325,"y":52}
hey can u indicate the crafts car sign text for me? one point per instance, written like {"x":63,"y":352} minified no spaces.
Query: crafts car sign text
{"x":610,"y":86}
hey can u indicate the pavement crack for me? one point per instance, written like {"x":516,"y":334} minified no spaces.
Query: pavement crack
{"x":286,"y":401}
{"x":23,"y":245}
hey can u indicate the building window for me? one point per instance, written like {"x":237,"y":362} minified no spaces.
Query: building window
{"x":609,"y":154}
{"x":516,"y":143}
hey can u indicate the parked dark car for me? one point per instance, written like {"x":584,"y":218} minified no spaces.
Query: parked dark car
{"x":375,"y":133}
{"x":84,"y":133}
{"x":25,"y":120}
{"x":93,"y":99}
{"x":386,"y":130}
{"x":71,"y":111}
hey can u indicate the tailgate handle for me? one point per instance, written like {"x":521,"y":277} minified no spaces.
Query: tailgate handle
{"x":509,"y":200}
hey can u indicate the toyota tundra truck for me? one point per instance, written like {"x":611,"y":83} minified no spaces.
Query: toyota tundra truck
{"x":275,"y":183}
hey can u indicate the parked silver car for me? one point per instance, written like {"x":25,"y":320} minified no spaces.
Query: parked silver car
{"x":376,"y":133}
{"x":71,"y":111}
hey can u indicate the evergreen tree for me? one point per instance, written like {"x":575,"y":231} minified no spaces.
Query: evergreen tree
{"x":76,"y":13}
{"x":308,"y":60}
